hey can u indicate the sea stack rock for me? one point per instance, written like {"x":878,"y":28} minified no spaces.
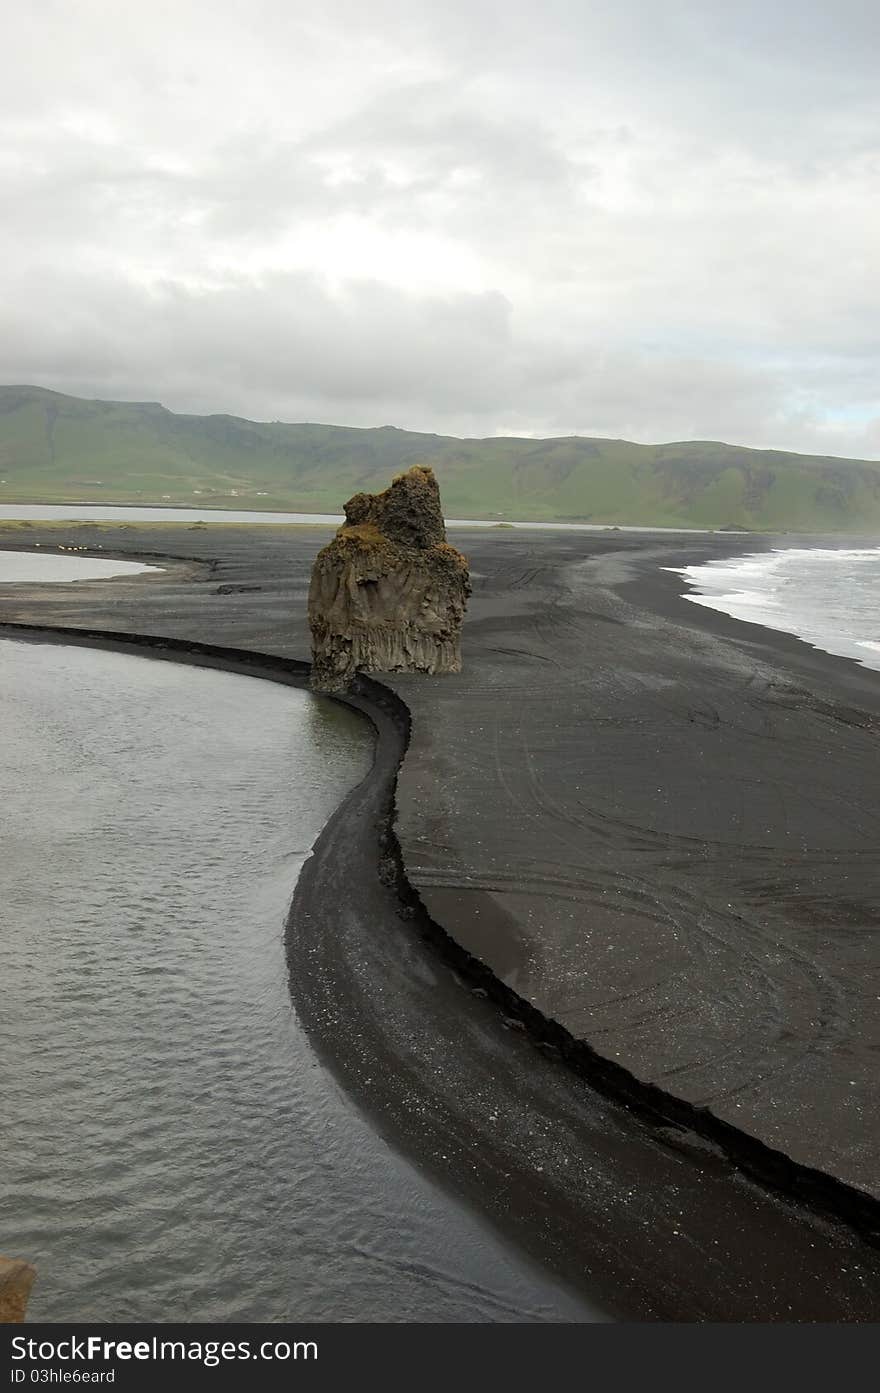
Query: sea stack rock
{"x":388,"y":594}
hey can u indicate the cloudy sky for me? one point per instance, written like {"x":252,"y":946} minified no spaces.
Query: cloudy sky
{"x":656,"y":219}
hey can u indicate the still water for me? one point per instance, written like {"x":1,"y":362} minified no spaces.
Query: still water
{"x":17,"y":567}
{"x":107,"y":512}
{"x":173,"y":1150}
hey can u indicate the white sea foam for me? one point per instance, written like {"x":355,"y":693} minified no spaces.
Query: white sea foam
{"x":827,"y":596}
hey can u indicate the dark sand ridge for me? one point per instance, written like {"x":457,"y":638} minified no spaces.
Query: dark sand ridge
{"x":621,"y":1200}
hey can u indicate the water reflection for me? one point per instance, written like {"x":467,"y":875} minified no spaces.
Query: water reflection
{"x":175,"y":1150}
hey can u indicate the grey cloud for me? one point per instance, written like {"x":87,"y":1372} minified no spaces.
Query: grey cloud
{"x":624,"y":218}
{"x":288,"y":335}
{"x":448,"y":364}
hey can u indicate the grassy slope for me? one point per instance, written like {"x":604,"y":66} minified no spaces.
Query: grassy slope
{"x":59,"y":448}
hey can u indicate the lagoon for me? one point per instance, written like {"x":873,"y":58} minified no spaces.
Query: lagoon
{"x":177,"y":1151}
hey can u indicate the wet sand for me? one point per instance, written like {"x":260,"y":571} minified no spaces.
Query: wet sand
{"x":643,"y":816}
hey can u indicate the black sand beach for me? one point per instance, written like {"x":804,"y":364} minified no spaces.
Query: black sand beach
{"x":655,"y":825}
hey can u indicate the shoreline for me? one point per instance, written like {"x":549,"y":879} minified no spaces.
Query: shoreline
{"x":274,"y":516}
{"x":692,"y":786}
{"x":662,"y":592}
{"x":307,"y":932}
{"x":397,"y":1043}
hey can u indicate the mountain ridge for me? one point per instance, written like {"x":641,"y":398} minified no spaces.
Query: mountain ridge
{"x":53,"y":445}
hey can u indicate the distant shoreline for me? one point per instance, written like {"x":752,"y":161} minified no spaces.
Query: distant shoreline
{"x":257,"y":517}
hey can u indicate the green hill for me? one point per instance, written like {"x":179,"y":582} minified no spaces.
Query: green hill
{"x":55,"y":448}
